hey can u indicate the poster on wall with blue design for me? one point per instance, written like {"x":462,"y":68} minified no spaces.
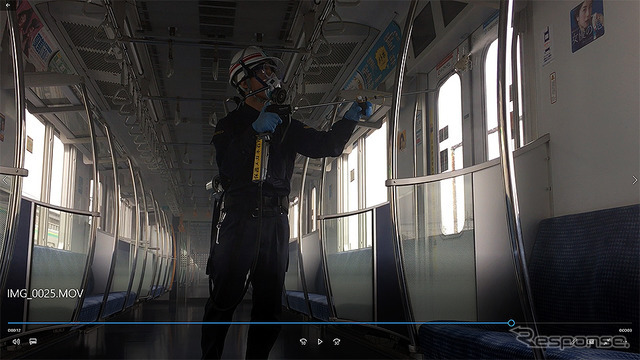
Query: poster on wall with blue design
{"x":379,"y":62}
{"x":587,"y":23}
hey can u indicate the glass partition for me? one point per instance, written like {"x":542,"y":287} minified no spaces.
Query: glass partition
{"x":57,"y":272}
{"x":468,"y":274}
{"x":351,"y":267}
{"x":439,"y":268}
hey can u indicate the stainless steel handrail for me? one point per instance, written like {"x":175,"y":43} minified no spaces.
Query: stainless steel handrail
{"x":114,"y":248}
{"x":95,"y":205}
{"x":323,"y":244}
{"x":137,"y":233}
{"x":62,"y":208}
{"x":6,"y":170}
{"x":144,"y":236}
{"x":471,"y":169}
{"x":303,"y":279}
{"x":392,"y":155}
{"x":350,"y":213}
{"x":509,"y":175}
{"x":18,"y":161}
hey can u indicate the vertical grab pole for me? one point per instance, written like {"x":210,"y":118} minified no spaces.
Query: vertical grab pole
{"x":509,"y":176}
{"x":137,"y":233}
{"x":18,"y":161}
{"x":95,"y":208}
{"x":303,"y":178}
{"x":114,"y":249}
{"x":323,"y":244}
{"x":144,"y":234}
{"x":392,"y":155}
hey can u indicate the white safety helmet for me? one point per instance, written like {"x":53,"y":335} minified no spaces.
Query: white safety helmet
{"x":245,"y":60}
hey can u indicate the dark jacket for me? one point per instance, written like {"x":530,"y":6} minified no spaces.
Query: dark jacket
{"x":235,"y":140}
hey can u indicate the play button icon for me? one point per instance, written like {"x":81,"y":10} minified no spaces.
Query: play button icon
{"x":319,"y":341}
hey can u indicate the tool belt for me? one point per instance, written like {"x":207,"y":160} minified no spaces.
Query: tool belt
{"x":271,"y":205}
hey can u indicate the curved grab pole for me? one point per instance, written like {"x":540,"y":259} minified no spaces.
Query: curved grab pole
{"x":114,"y":252}
{"x":137,"y":233}
{"x":144,"y":233}
{"x":509,"y":175}
{"x":393,"y":170}
{"x":323,"y":244}
{"x":303,"y":178}
{"x":95,"y":204}
{"x":18,"y":161}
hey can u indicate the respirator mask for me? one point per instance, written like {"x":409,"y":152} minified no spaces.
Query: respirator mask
{"x":268,"y":75}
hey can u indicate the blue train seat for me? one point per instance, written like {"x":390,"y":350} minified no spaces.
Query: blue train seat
{"x":583,"y":268}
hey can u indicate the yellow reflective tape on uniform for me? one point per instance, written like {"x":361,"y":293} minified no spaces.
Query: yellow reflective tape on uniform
{"x":218,"y":132}
{"x":257,"y":160}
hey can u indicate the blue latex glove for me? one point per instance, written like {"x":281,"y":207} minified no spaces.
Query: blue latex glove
{"x":355,"y":111}
{"x":266,"y":121}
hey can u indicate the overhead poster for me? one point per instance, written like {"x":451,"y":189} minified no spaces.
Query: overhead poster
{"x":587,"y":23}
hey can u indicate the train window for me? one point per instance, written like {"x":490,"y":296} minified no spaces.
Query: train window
{"x":350,"y":197}
{"x":34,"y":157}
{"x":450,"y":149}
{"x":313,"y":209}
{"x":293,"y":215}
{"x":376,"y":166}
{"x":491,"y":91}
{"x":57,"y":172}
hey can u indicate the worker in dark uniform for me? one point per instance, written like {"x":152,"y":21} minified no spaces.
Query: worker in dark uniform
{"x":251,"y":245}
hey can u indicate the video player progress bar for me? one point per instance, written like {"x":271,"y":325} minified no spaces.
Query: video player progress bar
{"x":508,"y":323}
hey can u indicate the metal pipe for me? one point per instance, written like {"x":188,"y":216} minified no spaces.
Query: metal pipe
{"x":114,"y":252}
{"x":300,"y":259}
{"x":13,"y":207}
{"x":393,"y":170}
{"x":5,"y":170}
{"x":515,"y":88}
{"x":144,"y":233}
{"x":165,"y":249}
{"x":207,"y":44}
{"x":180,"y":98}
{"x":295,"y":108}
{"x":157,"y":273}
{"x":137,"y":233}
{"x":323,"y":244}
{"x":509,"y":176}
{"x":95,"y":203}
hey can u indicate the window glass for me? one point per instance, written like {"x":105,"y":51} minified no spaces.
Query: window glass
{"x":450,"y":150}
{"x":376,"y":166}
{"x":34,"y":156}
{"x":351,"y":197}
{"x":491,"y":91}
{"x":313,"y":209}
{"x":58,"y":164}
{"x":293,"y":216}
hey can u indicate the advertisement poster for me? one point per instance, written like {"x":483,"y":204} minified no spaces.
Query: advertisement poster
{"x":36,"y":42}
{"x":587,"y":23}
{"x":380,"y":61}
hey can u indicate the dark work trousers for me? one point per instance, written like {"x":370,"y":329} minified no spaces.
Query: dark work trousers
{"x":232,"y":259}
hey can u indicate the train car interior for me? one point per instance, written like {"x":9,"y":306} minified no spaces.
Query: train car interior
{"x":487,"y":208}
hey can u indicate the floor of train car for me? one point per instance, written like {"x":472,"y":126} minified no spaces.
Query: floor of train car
{"x":183,"y":341}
